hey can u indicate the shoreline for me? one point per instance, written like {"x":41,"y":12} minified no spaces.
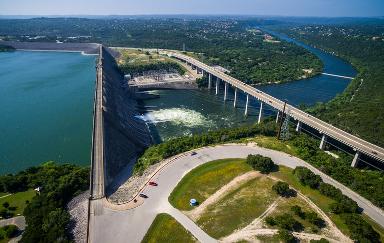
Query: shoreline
{"x":85,"y":48}
{"x":65,"y":51}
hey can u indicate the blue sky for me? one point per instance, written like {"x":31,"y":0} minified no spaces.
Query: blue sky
{"x":331,"y":8}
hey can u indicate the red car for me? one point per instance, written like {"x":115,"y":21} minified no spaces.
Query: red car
{"x":152,"y":183}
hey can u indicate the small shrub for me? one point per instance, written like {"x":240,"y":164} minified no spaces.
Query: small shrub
{"x":344,"y":205}
{"x":314,"y":219}
{"x":270,"y":221}
{"x":11,"y":230}
{"x":281,"y":188}
{"x":307,"y":177}
{"x":286,"y":221}
{"x":5,"y":204}
{"x":330,"y":191}
{"x":298,"y":211}
{"x":286,"y":236}
{"x":322,"y":240}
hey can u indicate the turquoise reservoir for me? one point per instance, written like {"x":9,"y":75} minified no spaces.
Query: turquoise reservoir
{"x":46,"y":105}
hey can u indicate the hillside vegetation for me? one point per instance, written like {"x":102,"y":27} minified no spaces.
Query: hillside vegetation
{"x":247,"y":52}
{"x":359,"y":109}
{"x":45,"y":214}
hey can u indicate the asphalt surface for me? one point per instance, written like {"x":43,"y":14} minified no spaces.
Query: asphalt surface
{"x":97,"y":177}
{"x":107,"y":225}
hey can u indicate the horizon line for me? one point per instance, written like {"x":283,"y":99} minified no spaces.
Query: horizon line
{"x":184,"y":14}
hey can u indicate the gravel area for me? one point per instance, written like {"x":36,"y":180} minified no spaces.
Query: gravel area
{"x":78,"y":209}
{"x":131,"y":187}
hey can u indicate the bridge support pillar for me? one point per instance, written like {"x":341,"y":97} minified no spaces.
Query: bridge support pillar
{"x":323,"y":142}
{"x":260,"y":112}
{"x":277,"y":116}
{"x":246,"y":106}
{"x":217,"y":85}
{"x":235,"y":99}
{"x":225,"y":90}
{"x":355,"y":160}
{"x":298,"y":126}
{"x":209,"y":81}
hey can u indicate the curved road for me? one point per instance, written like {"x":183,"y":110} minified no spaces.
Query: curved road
{"x":131,"y":225}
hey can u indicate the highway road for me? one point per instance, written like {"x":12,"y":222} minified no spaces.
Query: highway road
{"x":131,"y":225}
{"x":97,"y":175}
{"x":325,"y":128}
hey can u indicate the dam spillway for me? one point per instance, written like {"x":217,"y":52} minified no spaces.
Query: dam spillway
{"x":119,"y":134}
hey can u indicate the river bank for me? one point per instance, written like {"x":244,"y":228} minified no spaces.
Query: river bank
{"x":86,"y":48}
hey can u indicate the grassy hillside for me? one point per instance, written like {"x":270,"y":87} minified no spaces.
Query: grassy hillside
{"x":359,"y":109}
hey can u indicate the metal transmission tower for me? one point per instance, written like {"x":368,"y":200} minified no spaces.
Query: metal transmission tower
{"x":284,"y":134}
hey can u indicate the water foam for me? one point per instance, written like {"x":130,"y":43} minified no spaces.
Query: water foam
{"x":178,"y":116}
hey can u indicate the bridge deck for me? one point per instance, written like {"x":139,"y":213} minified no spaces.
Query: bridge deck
{"x":325,"y":128}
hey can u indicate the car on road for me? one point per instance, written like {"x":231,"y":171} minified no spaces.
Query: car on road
{"x":143,"y":195}
{"x":152,"y":183}
{"x":193,"y":153}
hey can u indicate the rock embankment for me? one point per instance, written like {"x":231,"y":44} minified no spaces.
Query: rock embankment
{"x":78,"y":209}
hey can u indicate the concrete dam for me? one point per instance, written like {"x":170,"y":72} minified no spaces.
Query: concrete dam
{"x":125,"y":135}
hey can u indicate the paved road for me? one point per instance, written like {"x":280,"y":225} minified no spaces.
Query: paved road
{"x":131,"y":225}
{"x":97,"y":176}
{"x":325,"y":128}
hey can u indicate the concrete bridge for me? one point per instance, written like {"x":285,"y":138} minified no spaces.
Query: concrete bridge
{"x":327,"y":130}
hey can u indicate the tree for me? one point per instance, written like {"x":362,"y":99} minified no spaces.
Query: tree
{"x":281,"y":188}
{"x":261,"y":163}
{"x":360,"y":230}
{"x":5,"y":204}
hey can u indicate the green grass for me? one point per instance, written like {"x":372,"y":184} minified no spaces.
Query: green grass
{"x":18,"y":200}
{"x":166,"y":229}
{"x":238,"y":208}
{"x":202,"y":181}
